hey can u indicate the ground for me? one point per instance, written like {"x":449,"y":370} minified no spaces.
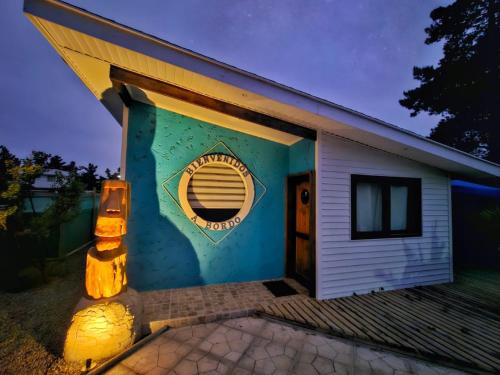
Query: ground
{"x":33,"y":323}
{"x":252,"y":345}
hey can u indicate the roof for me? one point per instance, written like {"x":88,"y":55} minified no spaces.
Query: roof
{"x":90,"y":44}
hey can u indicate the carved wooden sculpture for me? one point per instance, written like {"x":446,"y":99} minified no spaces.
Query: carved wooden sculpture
{"x":101,"y":326}
{"x":105,"y":274}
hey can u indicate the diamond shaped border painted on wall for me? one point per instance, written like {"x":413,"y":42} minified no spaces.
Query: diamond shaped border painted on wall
{"x":174,"y":194}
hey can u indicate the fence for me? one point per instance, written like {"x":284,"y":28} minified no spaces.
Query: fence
{"x":73,"y":234}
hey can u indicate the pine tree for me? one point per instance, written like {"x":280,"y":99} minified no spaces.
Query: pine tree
{"x":464,"y":88}
{"x":89,"y":177}
{"x":56,"y":162}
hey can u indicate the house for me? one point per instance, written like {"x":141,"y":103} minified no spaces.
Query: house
{"x":47,"y":179}
{"x":235,"y":177}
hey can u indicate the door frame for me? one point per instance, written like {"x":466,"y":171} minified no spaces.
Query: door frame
{"x":290,"y":200}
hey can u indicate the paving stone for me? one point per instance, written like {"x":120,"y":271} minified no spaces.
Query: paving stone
{"x":397,"y":363}
{"x":264,"y":366}
{"x":340,"y":347}
{"x":343,"y":369}
{"x":282,"y":362}
{"x":218,"y":336}
{"x":233,"y":356}
{"x":184,"y":334}
{"x":345,"y":359}
{"x":220,"y":349}
{"x":183,"y":349}
{"x":323,"y":365}
{"x":310,"y":348}
{"x":248,"y":324}
{"x":168,"y":360}
{"x":290,"y":351}
{"x":304,"y":369}
{"x":281,"y":333}
{"x":421,"y":368}
{"x":316,"y":339}
{"x":275,"y":348}
{"x":295,"y":343}
{"x":159,"y":371}
{"x":224,"y":367}
{"x":362,"y":366}
{"x":257,"y":352}
{"x":246,"y":362}
{"x":307,"y":357}
{"x":241,"y":371}
{"x":367,"y":353}
{"x":239,"y":346}
{"x":327,"y":351}
{"x":169,"y":346}
{"x":207,"y":364}
{"x":120,"y":370}
{"x":144,"y":361}
{"x":380,"y":367}
{"x":186,"y":367}
{"x":229,"y":347}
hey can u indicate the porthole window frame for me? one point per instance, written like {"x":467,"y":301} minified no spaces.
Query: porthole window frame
{"x":214,"y":159}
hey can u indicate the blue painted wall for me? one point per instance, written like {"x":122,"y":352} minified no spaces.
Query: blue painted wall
{"x":301,"y":157}
{"x":166,"y":250}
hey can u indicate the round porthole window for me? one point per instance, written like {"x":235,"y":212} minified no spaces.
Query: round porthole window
{"x":216,"y":191}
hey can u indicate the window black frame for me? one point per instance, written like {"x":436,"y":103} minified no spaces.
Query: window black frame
{"x":414,"y":209}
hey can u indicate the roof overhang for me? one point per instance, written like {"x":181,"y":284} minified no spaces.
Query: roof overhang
{"x":90,"y":44}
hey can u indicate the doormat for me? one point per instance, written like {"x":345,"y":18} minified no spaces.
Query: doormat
{"x":279,"y":288}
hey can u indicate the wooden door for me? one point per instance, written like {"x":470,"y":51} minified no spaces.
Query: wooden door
{"x":302,"y":236}
{"x":300,"y":228}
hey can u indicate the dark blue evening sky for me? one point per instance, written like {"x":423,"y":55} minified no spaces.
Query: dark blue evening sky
{"x":357,"y":53}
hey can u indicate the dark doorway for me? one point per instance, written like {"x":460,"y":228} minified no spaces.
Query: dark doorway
{"x":301,"y":230}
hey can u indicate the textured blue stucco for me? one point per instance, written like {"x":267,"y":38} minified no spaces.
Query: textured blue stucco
{"x":301,"y":157}
{"x":166,"y":250}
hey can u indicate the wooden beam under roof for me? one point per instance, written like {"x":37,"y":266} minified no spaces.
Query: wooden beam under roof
{"x":122,"y":76}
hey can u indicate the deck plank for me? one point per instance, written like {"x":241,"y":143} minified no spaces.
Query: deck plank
{"x":457,"y":322}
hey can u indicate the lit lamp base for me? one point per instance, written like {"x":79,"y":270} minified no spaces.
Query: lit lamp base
{"x":102,"y":329}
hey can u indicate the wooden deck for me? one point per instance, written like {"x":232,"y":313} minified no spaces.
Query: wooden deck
{"x":455,"y":323}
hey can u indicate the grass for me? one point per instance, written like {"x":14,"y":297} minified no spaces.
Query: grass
{"x":33,"y":323}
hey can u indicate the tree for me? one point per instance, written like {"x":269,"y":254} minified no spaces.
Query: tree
{"x":26,"y":234}
{"x":70,"y":167}
{"x":464,"y":87}
{"x":64,"y":208}
{"x":56,"y":162}
{"x":6,"y":157}
{"x":112,"y":176}
{"x":89,"y":177}
{"x":19,"y":177}
{"x":40,"y":158}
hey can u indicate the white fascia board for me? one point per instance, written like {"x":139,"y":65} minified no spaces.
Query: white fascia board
{"x":110,"y":31}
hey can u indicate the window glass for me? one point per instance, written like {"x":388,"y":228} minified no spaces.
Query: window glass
{"x":399,"y":207}
{"x":369,"y":207}
{"x":385,"y":207}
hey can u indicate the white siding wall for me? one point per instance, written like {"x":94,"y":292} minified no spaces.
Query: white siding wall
{"x":345,"y":266}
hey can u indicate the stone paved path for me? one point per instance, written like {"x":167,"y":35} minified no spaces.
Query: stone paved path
{"x":256,"y":346}
{"x":209,"y":303}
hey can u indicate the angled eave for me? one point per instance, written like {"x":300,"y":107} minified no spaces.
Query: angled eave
{"x":90,"y":44}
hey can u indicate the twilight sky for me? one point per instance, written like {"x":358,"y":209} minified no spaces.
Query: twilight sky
{"x":357,"y":53}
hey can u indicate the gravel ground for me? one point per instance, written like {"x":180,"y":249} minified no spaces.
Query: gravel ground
{"x":33,"y":323}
